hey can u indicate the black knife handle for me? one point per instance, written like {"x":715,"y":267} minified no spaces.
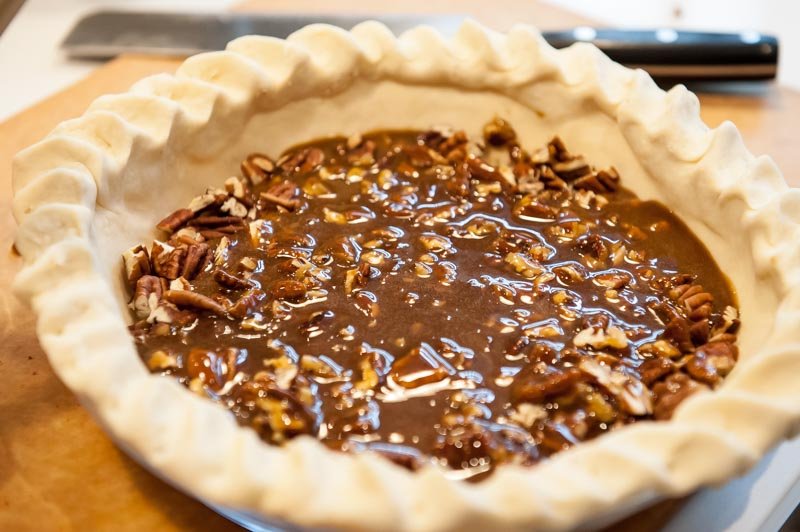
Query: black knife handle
{"x":686,"y":55}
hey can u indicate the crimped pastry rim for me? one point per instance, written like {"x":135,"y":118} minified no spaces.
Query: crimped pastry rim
{"x":711,"y":438}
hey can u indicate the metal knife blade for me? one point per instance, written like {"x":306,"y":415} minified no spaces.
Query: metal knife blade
{"x":664,"y":53}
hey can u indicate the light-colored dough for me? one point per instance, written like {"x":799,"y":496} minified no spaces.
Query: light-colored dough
{"x":97,"y":184}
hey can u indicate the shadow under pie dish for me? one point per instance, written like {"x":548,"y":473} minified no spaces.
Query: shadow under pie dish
{"x":98,"y":185}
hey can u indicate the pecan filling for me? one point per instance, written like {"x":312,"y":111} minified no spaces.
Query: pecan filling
{"x":432,"y":299}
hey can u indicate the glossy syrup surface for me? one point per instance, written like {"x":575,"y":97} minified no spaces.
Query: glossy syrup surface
{"x":434,"y":300}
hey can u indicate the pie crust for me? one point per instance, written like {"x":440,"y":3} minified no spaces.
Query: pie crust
{"x":99,"y":183}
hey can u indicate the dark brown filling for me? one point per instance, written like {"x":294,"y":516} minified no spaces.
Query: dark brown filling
{"x":432,"y":299}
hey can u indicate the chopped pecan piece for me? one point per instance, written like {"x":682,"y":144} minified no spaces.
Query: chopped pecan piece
{"x":137,"y":264}
{"x":357,"y":278}
{"x":197,"y":256}
{"x":257,"y":167}
{"x":571,"y":169}
{"x":458,"y":185}
{"x":653,"y":369}
{"x":530,"y":208}
{"x":160,"y":360}
{"x":288,"y":289}
{"x":236,"y":188}
{"x":214,"y":369}
{"x":695,"y":297}
{"x":671,"y":392}
{"x":677,"y":331}
{"x":235,"y":208}
{"x":660,"y":348}
{"x":602,"y":181}
{"x":422,"y":365}
{"x":212,"y":198}
{"x":593,"y":246}
{"x":483,"y":171}
{"x":535,"y":384}
{"x":557,"y":150}
{"x":249,"y":303}
{"x":631,"y":394}
{"x":555,"y":436}
{"x":372,"y":369}
{"x":360,"y":416}
{"x":167,"y":260}
{"x":167,"y":313}
{"x":550,"y":179}
{"x":470,"y":446}
{"x":713,"y":361}
{"x":229,"y":280}
{"x":615,"y":281}
{"x":523,"y":265}
{"x":600,"y":338}
{"x":699,"y":331}
{"x":363,"y":154}
{"x":148,"y":293}
{"x":498,"y":132}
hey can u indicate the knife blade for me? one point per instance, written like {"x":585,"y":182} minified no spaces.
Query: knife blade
{"x":667,"y":54}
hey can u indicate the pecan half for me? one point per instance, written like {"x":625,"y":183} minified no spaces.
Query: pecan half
{"x":217,"y":221}
{"x":137,"y":263}
{"x":167,"y":260}
{"x":303,"y":160}
{"x":176,"y":220}
{"x":282,"y":194}
{"x":185,"y":298}
{"x":149,"y":291}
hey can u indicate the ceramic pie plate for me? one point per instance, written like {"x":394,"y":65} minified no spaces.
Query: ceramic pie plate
{"x":97,"y":185}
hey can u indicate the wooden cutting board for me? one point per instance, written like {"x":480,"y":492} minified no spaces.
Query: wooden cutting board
{"x":58,"y":470}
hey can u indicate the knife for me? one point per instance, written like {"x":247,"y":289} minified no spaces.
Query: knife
{"x":667,"y":54}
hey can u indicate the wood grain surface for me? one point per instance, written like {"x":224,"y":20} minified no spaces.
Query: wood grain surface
{"x":58,"y":470}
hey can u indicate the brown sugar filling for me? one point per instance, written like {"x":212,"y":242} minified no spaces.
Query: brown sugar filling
{"x":432,"y":299}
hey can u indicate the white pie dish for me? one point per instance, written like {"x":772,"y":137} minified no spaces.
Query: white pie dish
{"x":97,"y":184}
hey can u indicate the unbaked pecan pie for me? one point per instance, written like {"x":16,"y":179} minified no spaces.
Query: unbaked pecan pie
{"x":433,"y":298}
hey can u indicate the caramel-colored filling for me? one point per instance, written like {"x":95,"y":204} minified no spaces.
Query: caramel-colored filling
{"x":432,"y":299}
